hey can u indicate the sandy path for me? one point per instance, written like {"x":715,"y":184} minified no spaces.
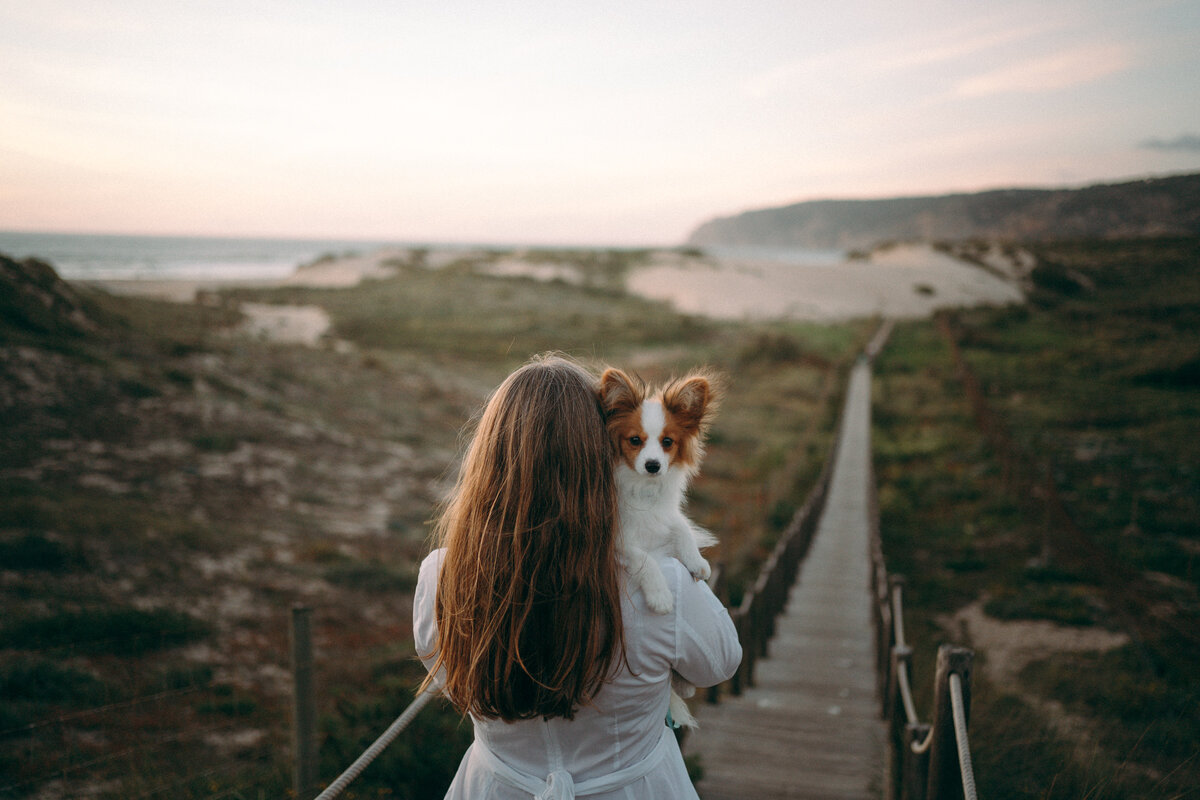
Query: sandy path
{"x":285,"y":324}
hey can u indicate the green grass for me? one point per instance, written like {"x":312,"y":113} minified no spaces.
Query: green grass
{"x":33,"y":552}
{"x":1158,"y":712}
{"x":89,"y":520}
{"x":103,"y":631}
{"x":1073,"y":387}
{"x":1064,"y":604}
{"x":597,"y":269}
{"x":32,"y":684}
{"x":370,"y":576}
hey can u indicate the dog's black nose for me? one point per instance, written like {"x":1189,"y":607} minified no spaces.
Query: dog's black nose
{"x":652,"y":467}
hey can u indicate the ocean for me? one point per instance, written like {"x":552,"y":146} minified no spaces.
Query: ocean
{"x":115,"y":257}
{"x":77,"y":256}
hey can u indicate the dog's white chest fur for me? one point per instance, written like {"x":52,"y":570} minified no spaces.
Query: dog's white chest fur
{"x":650,"y":509}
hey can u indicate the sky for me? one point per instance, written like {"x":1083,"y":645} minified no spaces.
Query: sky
{"x":555,"y":121}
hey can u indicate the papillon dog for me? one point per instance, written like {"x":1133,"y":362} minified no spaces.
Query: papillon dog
{"x":659,"y":438}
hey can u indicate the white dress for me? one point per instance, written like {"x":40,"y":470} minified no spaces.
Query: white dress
{"x":618,"y":747}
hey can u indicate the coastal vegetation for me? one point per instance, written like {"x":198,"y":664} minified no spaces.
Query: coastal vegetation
{"x":1038,"y":486}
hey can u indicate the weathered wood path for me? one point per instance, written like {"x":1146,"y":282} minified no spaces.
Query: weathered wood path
{"x":810,"y":727}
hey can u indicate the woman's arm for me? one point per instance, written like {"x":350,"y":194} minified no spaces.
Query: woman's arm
{"x":707,"y":650}
{"x":425,"y":609}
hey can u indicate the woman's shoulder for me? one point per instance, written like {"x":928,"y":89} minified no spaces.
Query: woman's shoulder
{"x":424,"y":606}
{"x":432,"y":563}
{"x":427,"y":576}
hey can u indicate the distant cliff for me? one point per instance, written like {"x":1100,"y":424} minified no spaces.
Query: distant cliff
{"x":1152,"y":207}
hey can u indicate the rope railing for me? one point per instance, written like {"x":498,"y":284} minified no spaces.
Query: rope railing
{"x":929,"y":761}
{"x":958,"y":705}
{"x":371,"y":753}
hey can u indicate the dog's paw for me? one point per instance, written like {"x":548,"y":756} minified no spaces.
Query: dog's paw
{"x":699,"y":569}
{"x":660,"y":600}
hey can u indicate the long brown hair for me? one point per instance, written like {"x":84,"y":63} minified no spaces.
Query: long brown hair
{"x":528,"y":599}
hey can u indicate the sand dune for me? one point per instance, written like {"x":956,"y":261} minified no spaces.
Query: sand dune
{"x":899,"y":282}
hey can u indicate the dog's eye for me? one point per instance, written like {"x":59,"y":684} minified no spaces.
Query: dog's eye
{"x":667,"y":442}
{"x":636,"y":441}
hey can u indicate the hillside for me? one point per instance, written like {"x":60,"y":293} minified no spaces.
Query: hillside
{"x":1154,"y":207}
{"x":34,"y":299}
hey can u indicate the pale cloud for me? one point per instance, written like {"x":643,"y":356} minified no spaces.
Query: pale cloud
{"x":956,"y":44}
{"x":1061,"y":70}
{"x":910,"y":49}
{"x":1188,"y":141}
{"x":769,"y":82}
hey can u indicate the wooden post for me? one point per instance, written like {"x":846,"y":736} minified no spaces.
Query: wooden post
{"x":753,"y":631}
{"x":894,"y":699}
{"x":914,"y":765}
{"x":896,"y":585}
{"x":883,"y":644}
{"x":945,"y":779}
{"x":897,"y":719}
{"x":304,"y":714}
{"x":761,"y":615}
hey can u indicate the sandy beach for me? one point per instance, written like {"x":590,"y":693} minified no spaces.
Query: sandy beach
{"x":278,"y":323}
{"x":328,"y":273}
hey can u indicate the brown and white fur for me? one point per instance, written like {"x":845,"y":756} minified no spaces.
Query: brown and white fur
{"x":659,"y":437}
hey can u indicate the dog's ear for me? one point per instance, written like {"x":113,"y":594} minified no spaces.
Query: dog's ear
{"x":691,"y":400}
{"x":619,"y":392}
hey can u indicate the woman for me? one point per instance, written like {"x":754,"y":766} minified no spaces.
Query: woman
{"x":525,"y":621}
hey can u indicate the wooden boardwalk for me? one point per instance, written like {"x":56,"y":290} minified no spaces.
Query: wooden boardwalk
{"x":810,"y":727}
